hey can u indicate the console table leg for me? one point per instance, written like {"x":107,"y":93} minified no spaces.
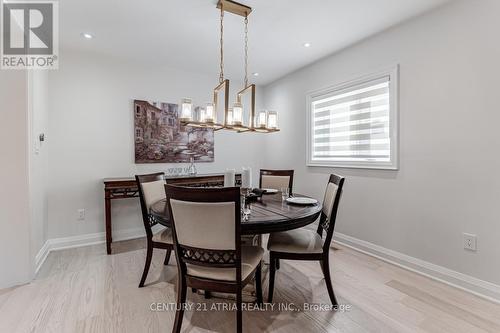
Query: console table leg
{"x":107,"y":204}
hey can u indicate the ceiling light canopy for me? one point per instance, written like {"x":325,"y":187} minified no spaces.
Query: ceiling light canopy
{"x":235,"y":118}
{"x":87,"y":35}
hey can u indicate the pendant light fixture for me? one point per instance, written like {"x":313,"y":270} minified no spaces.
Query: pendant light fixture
{"x":238,"y":110}
{"x":207,"y":117}
{"x":234,"y":118}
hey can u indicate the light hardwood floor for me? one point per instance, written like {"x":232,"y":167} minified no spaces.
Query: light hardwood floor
{"x":85,"y":290}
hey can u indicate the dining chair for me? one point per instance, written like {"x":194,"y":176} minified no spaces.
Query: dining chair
{"x":304,"y":244}
{"x":151,"y":190}
{"x":207,"y":242}
{"x":276,"y":179}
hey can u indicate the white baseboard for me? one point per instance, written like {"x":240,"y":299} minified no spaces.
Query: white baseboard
{"x":481,"y":288}
{"x":55,"y":244}
{"x":41,"y":256}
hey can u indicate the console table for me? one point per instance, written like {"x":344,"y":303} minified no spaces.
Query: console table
{"x":123,"y":188}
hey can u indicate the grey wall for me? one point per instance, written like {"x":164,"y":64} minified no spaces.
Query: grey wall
{"x":449,"y":180}
{"x":38,"y":106}
{"x":15,"y":260}
{"x":91,"y":136}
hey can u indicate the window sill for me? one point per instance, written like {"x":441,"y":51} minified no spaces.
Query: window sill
{"x":389,"y":166}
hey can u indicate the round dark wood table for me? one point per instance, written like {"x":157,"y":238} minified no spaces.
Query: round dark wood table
{"x":268,"y":214}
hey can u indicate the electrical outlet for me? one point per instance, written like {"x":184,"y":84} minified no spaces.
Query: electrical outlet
{"x":81,"y":214}
{"x":470,"y":242}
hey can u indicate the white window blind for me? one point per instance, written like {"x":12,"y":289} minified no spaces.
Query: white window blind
{"x":352,"y":126}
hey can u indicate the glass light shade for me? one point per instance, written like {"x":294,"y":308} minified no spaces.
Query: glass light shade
{"x":203,"y":115}
{"x":272,"y":120}
{"x":210,"y":113}
{"x":186,"y":109}
{"x":237,"y":114}
{"x":261,"y":119}
{"x":229,"y":119}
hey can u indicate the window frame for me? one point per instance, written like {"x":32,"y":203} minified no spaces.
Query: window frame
{"x":393,"y":74}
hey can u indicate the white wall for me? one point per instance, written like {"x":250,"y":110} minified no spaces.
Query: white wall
{"x":448,"y":182}
{"x":15,"y":262}
{"x":91,"y":136}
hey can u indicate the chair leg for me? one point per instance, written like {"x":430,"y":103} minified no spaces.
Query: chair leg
{"x":277,"y":264}
{"x":326,"y":272}
{"x":181,"y":300}
{"x":239,"y":313}
{"x":167,"y":257}
{"x":149,"y":256}
{"x":258,"y":284}
{"x":272,"y":271}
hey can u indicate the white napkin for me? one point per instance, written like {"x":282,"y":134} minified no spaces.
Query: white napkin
{"x":229,"y":177}
{"x":246,"y":178}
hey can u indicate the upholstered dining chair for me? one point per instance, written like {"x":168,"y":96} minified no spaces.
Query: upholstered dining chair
{"x":207,"y":242}
{"x":276,"y":179}
{"x":304,"y":244}
{"x":151,"y":189}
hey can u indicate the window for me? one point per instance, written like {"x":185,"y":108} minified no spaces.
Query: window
{"x":355,"y":124}
{"x":138,"y":133}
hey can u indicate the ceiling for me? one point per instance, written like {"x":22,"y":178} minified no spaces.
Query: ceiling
{"x":184,"y":33}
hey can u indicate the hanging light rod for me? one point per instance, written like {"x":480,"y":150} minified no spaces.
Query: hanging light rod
{"x":234,"y":7}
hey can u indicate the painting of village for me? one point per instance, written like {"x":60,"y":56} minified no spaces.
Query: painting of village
{"x":160,"y":138}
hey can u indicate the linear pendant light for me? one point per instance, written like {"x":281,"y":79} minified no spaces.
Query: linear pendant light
{"x":234,"y":119}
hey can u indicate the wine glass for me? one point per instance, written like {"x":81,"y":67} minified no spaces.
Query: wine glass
{"x":285,"y":193}
{"x":245,"y":208}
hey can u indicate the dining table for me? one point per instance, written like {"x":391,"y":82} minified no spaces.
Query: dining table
{"x":270,"y":213}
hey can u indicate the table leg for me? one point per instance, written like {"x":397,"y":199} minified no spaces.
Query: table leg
{"x":107,"y":208}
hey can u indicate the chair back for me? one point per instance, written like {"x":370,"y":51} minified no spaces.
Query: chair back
{"x":206,"y":224}
{"x":331,"y":202}
{"x":276,"y":179}
{"x":151,"y":189}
